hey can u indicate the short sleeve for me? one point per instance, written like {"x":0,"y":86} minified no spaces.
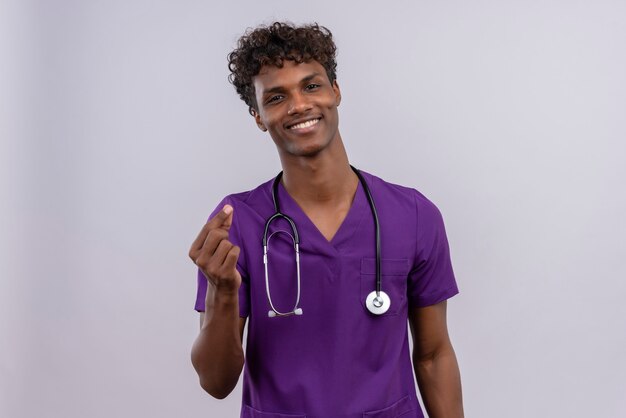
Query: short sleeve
{"x":432,"y":278}
{"x":235,"y":238}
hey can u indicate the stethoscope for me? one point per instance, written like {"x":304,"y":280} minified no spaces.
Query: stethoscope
{"x":377,"y":302}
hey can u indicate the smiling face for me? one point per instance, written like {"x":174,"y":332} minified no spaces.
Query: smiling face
{"x":297,"y":105}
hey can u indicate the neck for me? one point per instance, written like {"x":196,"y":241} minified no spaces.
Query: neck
{"x":324,"y":178}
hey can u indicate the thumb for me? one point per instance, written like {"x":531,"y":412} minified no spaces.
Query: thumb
{"x":227,"y":217}
{"x":222,"y":219}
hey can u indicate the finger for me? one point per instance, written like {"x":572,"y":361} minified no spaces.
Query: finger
{"x":217,"y":260}
{"x":228,"y":221}
{"x":213,"y":239}
{"x":197,"y":244}
{"x":212,"y":265}
{"x":230,"y":262}
{"x":223,"y":219}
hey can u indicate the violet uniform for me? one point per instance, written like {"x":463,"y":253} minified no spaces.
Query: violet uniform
{"x":336,"y":360}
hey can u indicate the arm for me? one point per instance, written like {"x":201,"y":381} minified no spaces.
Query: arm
{"x":434,"y":361}
{"x":217,"y":354}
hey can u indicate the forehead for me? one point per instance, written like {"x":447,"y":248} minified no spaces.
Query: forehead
{"x":291,"y":73}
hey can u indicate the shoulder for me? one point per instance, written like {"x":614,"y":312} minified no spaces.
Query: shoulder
{"x":400,"y":195}
{"x":250,"y":206}
{"x":250,"y":198}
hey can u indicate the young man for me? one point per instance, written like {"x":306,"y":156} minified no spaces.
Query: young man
{"x":327,"y":331}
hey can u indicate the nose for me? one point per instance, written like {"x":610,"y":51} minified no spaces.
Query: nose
{"x":299,"y":104}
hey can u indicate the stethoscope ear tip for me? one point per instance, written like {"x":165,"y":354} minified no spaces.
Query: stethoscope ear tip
{"x":271,"y":314}
{"x":298,"y":311}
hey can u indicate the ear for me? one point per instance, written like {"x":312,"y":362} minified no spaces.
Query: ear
{"x":337,"y":93}
{"x":257,"y":120}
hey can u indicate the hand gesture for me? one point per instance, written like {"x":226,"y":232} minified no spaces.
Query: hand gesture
{"x":215,"y":255}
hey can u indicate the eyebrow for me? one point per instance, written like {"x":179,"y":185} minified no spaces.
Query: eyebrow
{"x":280,"y":89}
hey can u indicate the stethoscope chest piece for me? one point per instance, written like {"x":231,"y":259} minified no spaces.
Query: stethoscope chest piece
{"x":378,"y":304}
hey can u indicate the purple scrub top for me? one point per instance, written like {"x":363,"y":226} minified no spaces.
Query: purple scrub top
{"x":337,"y":360}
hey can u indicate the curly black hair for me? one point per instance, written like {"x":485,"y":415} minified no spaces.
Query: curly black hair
{"x":271,"y":45}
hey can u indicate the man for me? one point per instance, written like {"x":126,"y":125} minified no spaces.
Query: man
{"x":327,"y":335}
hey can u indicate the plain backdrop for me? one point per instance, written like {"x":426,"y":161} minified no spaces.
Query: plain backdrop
{"x":120,"y":133}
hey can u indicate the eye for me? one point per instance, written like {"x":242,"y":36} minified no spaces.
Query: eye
{"x":273,"y":99}
{"x":312,"y":86}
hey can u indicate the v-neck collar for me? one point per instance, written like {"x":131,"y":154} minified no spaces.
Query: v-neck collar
{"x":308,"y":231}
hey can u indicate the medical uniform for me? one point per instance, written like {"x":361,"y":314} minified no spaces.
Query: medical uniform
{"x":336,"y":360}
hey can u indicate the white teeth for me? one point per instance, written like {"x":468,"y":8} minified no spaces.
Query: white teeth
{"x":305,"y":124}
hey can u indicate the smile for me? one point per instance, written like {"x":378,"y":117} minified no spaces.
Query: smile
{"x":306,"y":124}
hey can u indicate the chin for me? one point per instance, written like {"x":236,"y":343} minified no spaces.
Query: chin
{"x":312,"y":148}
{"x":308,"y":151}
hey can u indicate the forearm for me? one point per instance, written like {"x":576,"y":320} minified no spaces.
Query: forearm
{"x":217,"y":354}
{"x":439,"y":382}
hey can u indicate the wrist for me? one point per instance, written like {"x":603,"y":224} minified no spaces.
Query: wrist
{"x":220,"y":306}
{"x":222,"y":297}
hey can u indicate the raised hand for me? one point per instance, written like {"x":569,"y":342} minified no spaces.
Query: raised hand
{"x":215,"y":255}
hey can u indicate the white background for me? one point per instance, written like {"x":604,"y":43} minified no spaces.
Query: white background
{"x":120,"y":133}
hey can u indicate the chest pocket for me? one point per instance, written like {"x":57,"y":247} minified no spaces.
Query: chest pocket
{"x":249,"y":412}
{"x":394,"y":276}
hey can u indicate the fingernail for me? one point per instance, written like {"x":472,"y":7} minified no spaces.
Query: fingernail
{"x":228,"y":209}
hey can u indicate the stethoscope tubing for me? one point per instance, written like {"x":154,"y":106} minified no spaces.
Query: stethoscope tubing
{"x":370,"y":200}
{"x":374,"y":300}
